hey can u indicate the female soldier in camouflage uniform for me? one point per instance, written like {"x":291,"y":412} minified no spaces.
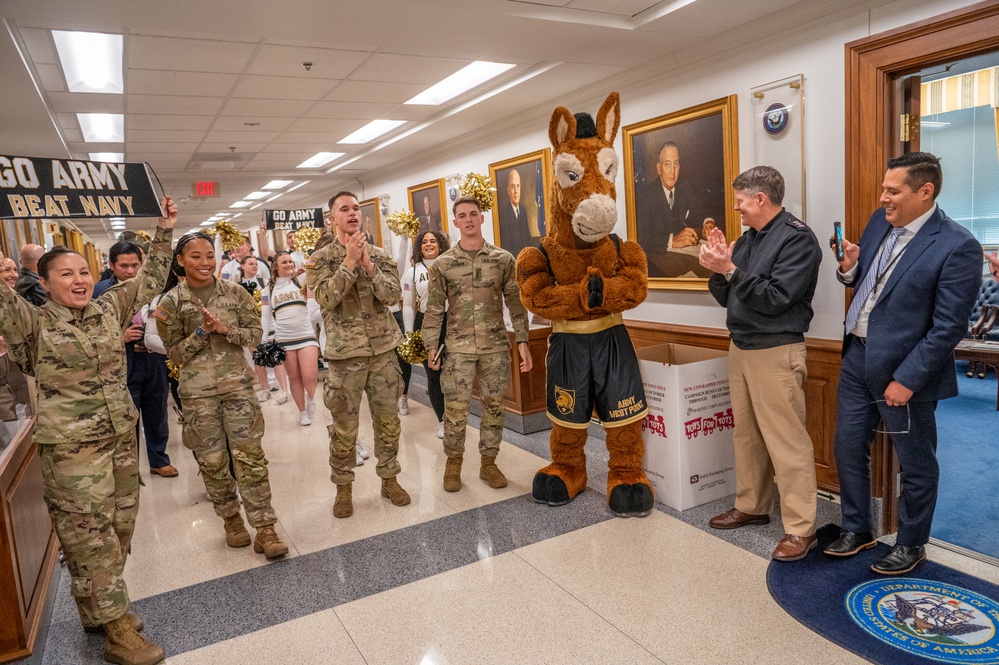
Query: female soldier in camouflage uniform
{"x":73,"y":346}
{"x":205,"y":323}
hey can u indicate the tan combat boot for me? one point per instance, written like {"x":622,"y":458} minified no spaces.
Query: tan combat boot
{"x":236,"y":534}
{"x":452,"y":474}
{"x":268,"y":543}
{"x":490,"y":473}
{"x":132,"y":619}
{"x":392,"y":491}
{"x":127,"y":647}
{"x":343,"y":505}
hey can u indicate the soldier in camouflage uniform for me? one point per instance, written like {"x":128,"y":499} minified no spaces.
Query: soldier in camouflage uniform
{"x":355,"y":284}
{"x":73,"y":346}
{"x":473,"y":279}
{"x":205,"y":323}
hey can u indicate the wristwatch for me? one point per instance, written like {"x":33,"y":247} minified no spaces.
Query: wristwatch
{"x":200,"y":332}
{"x":728,"y":275}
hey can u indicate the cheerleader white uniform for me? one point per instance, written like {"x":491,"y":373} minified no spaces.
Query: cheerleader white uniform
{"x":284,"y":310}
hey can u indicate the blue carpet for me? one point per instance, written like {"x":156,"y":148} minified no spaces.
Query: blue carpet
{"x":817,"y":592}
{"x":968,"y":450}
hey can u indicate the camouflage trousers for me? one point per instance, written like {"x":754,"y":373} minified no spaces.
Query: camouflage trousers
{"x":92,"y":492}
{"x":346,"y":381}
{"x":457,"y":377}
{"x":236,"y":416}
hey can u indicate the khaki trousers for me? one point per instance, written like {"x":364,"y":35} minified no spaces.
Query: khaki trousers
{"x":768,"y":403}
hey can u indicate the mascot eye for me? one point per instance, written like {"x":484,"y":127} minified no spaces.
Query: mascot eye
{"x":573,"y":176}
{"x":607,"y":161}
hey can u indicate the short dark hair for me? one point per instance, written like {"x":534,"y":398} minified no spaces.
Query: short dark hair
{"x":668,"y":144}
{"x":121,"y":248}
{"x":57,"y":252}
{"x":343,"y":192}
{"x":761,"y":179}
{"x":443,"y":243}
{"x":247,"y":258}
{"x":921,"y":168}
{"x":465,"y":199}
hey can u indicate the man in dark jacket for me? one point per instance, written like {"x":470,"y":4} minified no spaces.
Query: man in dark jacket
{"x":766,"y":280}
{"x":27,"y":285}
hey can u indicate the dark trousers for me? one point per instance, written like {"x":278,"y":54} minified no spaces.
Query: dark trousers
{"x":147,"y":383}
{"x":913,"y":432}
{"x":407,"y":369}
{"x":434,"y":375}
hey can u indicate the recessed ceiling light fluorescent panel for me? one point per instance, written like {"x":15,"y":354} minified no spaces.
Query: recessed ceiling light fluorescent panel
{"x":462,"y":80}
{"x":91,"y":61}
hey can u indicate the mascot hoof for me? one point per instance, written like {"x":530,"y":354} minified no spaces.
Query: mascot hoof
{"x":629,"y":500}
{"x":550,"y":490}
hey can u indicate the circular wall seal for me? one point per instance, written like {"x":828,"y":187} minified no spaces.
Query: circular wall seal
{"x":775,"y":118}
{"x":933,"y":620}
{"x":452,"y":193}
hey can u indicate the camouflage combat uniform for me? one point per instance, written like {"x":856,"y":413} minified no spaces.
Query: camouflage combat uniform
{"x":216,"y":389}
{"x":86,"y":426}
{"x":474,"y":286}
{"x":360,"y":346}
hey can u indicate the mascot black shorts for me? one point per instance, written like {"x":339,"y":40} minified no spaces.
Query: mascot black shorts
{"x":593,"y":369}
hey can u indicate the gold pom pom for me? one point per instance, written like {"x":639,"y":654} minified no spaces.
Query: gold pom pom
{"x":306,"y":239}
{"x":231,"y":236}
{"x":144,"y":235}
{"x":257,"y":300}
{"x":412,"y":350}
{"x":403,"y":223}
{"x":480,"y":188}
{"x":173,"y":370}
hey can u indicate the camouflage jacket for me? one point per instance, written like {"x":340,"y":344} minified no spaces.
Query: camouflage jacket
{"x":77,"y":356}
{"x":355,"y":305}
{"x":474,"y":287}
{"x":214,"y":364}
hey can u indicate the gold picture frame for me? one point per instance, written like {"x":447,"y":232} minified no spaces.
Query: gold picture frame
{"x":691,"y":156}
{"x":371,"y":220}
{"x":515,"y":230}
{"x":432,"y":209}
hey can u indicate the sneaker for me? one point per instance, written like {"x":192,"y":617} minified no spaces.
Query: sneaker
{"x":281,"y":397}
{"x":403,"y":406}
{"x":358,"y":458}
{"x":310,"y":406}
{"x":440,"y":430}
{"x":361,"y":450}
{"x":303,"y":419}
{"x":272,"y":384}
{"x":263,"y":395}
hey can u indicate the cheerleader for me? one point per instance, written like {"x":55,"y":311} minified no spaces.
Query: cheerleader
{"x":285,"y":313}
{"x":414,"y":302}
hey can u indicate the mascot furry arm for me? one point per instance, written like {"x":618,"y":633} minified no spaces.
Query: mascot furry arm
{"x":582,"y":278}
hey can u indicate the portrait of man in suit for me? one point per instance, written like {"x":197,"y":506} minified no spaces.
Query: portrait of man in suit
{"x":520,"y":215}
{"x":678,"y":169}
{"x":915,"y":275}
{"x":430,"y":220}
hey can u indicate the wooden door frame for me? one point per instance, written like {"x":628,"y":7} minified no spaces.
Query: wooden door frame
{"x":872,"y":137}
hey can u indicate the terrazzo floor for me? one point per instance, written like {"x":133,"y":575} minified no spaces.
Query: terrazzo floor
{"x":478,"y":576}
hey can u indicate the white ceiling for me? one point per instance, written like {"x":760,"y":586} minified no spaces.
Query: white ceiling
{"x":216,"y":90}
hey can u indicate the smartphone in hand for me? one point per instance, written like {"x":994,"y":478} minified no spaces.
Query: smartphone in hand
{"x":838,"y":240}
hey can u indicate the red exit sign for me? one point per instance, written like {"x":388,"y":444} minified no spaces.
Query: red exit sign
{"x":206,"y":190}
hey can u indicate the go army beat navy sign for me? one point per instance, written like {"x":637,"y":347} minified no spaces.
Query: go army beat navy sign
{"x":42,"y":188}
{"x":292,"y":220}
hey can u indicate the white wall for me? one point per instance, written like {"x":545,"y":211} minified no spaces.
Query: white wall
{"x":817,"y":52}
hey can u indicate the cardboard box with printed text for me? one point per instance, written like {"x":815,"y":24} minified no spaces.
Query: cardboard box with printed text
{"x":689,"y":457}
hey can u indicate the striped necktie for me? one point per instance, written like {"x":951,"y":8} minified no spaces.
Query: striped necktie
{"x":870,"y":280}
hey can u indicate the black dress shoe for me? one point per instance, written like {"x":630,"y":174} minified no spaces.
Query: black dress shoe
{"x":901,"y":559}
{"x":850,"y":543}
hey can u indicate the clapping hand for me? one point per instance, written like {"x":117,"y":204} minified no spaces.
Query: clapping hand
{"x":212,"y":323}
{"x":716,"y":254}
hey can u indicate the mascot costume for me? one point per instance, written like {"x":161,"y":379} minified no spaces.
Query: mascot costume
{"x":582,"y":277}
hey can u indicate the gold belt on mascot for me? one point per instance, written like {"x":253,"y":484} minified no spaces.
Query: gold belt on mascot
{"x":588,"y":327}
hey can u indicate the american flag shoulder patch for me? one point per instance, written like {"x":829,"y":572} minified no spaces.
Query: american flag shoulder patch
{"x":264,"y":299}
{"x":311,"y":263}
{"x":161,"y":314}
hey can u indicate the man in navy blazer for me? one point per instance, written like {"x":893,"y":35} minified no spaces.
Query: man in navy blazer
{"x":915,"y":275}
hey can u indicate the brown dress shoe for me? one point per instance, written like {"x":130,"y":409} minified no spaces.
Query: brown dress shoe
{"x":733,"y":519}
{"x":167,"y":471}
{"x":792,"y":548}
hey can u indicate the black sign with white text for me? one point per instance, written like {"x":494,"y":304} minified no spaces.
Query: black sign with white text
{"x":37,"y":187}
{"x":292,"y":220}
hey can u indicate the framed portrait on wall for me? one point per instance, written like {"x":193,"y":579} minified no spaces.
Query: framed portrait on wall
{"x":519,"y":202}
{"x":371,"y":221}
{"x":678,"y":174}
{"x":429,"y":204}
